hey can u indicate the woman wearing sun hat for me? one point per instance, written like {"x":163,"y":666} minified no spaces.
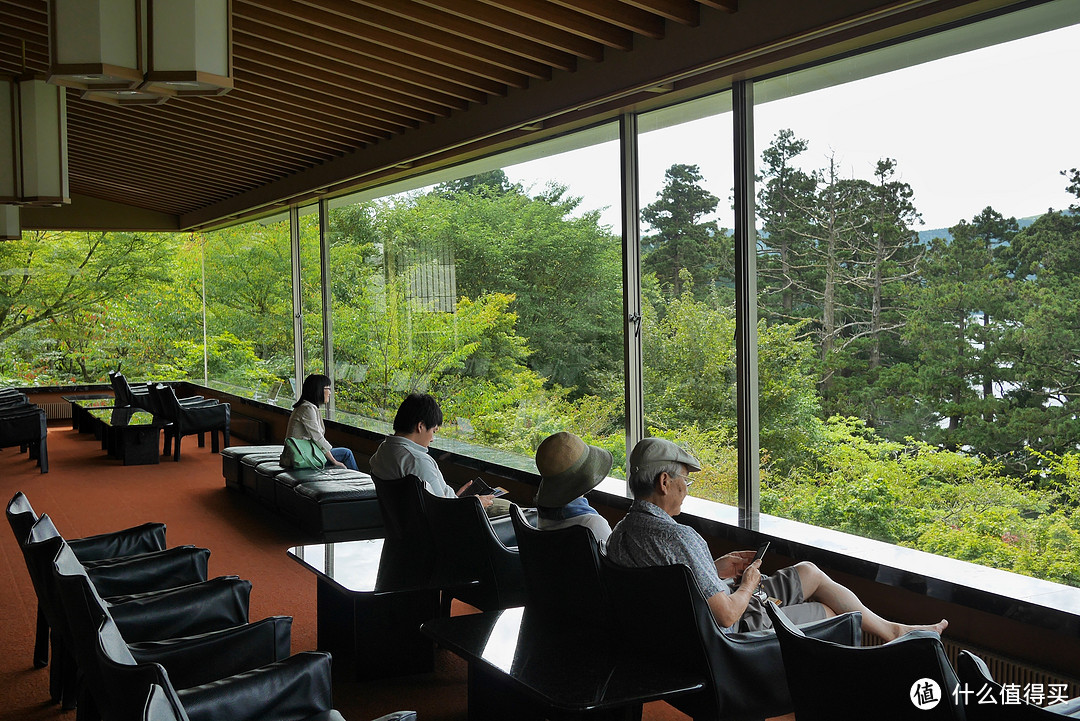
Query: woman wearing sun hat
{"x":570,"y":468}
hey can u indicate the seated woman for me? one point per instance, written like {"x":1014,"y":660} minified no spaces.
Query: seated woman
{"x":570,"y":468}
{"x":307,"y":422}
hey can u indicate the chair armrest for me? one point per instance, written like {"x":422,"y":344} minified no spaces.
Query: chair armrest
{"x":198,"y":608}
{"x":845,"y":629}
{"x":200,"y":415}
{"x":146,"y":538}
{"x":172,"y":568}
{"x":296,"y":688}
{"x":195,"y":660}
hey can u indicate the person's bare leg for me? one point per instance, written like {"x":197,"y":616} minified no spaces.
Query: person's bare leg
{"x":817,"y":586}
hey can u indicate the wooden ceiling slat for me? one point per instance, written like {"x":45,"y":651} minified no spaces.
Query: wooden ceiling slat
{"x":730,"y":6}
{"x":448,"y":43}
{"x":284,"y":73}
{"x":155,"y":162}
{"x":144,"y":183}
{"x":259,"y":49}
{"x":174,"y":129}
{"x":136,"y":196}
{"x":684,"y":12}
{"x":490,"y":35}
{"x":268,"y":88}
{"x":314,"y":37}
{"x":570,"y":21}
{"x":11,"y":60}
{"x":12,"y":21}
{"x":270,"y":109}
{"x":619,"y":14}
{"x":350,"y":32}
{"x":229,"y":121}
{"x":368,"y":64}
{"x":496,"y":17}
{"x":329,"y":71}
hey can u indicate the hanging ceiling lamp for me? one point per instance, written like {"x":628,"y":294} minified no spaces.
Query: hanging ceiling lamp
{"x":33,"y":142}
{"x":9,"y":222}
{"x":189,"y":47}
{"x":97,"y":44}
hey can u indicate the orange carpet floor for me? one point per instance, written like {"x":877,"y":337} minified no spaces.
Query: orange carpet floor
{"x":86,"y":492}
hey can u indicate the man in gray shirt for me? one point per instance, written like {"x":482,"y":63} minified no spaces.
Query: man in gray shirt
{"x":406,"y":452}
{"x":649,"y":536}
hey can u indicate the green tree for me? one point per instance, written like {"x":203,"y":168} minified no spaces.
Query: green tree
{"x":682,"y":240}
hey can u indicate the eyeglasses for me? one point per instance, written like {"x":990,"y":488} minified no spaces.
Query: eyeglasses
{"x":686,"y":479}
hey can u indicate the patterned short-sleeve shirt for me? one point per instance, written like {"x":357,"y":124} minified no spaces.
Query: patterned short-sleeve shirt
{"x":648,"y":536}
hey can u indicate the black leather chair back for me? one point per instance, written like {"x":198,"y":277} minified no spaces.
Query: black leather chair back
{"x":562,"y":570}
{"x":878,"y":682}
{"x":975,"y":677}
{"x":468,"y":548}
{"x":20,"y":516}
{"x":401,"y":503}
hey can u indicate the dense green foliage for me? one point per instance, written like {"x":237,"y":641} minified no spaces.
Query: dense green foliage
{"x":920,"y":394}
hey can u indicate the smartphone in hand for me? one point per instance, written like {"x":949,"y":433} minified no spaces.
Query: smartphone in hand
{"x":761,"y":551}
{"x":479,"y":487}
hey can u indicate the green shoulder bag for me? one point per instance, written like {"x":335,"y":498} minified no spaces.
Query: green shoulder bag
{"x":306,"y":453}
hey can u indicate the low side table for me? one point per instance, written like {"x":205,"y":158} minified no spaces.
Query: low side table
{"x":82,"y":404}
{"x":129,"y":434}
{"x":372,"y":597}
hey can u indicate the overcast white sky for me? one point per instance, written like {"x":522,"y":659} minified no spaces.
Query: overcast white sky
{"x":989,"y":127}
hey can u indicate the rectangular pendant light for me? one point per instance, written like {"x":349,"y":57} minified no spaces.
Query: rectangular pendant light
{"x":189,"y":47}
{"x":10,"y":229}
{"x":97,"y":44}
{"x":33,"y":142}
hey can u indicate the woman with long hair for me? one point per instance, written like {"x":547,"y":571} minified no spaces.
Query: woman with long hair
{"x":307,"y":422}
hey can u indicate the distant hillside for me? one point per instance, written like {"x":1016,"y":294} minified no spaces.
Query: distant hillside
{"x":925,"y":236}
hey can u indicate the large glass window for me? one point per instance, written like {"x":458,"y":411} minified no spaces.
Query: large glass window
{"x":688,"y":285}
{"x":311,"y":289}
{"x":249,"y":326}
{"x":918,"y":255}
{"x":495,"y":287}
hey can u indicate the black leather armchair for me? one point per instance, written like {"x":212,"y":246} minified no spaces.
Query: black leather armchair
{"x":93,"y":550}
{"x":195,"y":606}
{"x":744,"y":670}
{"x":191,"y":419}
{"x":835,"y":681}
{"x":164,"y":704}
{"x":115,"y":668}
{"x":987,"y":700}
{"x":563,"y":578}
{"x":467,"y":547}
{"x":24,"y":425}
{"x":128,"y":395}
{"x":401,"y":503}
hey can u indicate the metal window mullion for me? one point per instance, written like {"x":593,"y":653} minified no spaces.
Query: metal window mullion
{"x":327,"y":299}
{"x":746,"y":350}
{"x":631,"y":233}
{"x":298,"y":301}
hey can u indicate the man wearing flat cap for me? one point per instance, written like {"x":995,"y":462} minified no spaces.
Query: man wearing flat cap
{"x":649,"y":536}
{"x":570,"y":468}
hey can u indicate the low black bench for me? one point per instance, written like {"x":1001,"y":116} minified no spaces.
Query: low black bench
{"x":333,"y":504}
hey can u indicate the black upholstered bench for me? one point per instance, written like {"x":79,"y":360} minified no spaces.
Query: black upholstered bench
{"x":248,"y":480}
{"x":339,"y":510}
{"x":230,"y":461}
{"x":334,"y":504}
